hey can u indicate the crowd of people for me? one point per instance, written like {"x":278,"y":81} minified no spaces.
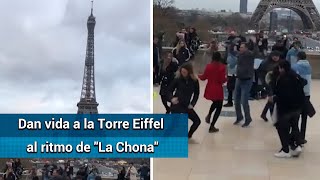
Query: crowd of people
{"x":185,"y":47}
{"x":283,"y":77}
{"x":131,"y":173}
{"x":14,"y":171}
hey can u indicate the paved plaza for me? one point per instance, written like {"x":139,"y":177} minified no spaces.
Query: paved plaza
{"x":237,"y":153}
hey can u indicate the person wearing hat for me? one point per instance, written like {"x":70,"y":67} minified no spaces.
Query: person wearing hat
{"x":269,"y":65}
{"x":293,"y":52}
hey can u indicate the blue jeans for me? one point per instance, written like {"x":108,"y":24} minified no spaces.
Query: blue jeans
{"x":242,"y":94}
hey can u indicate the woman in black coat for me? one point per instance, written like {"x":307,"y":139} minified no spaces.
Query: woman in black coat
{"x":167,"y":74}
{"x":184,"y":93}
{"x":181,"y":52}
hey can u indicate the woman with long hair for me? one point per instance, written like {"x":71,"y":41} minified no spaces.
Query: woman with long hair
{"x":167,"y":74}
{"x":194,"y":41}
{"x":184,"y":93}
{"x":181,"y":52}
{"x":215,"y":73}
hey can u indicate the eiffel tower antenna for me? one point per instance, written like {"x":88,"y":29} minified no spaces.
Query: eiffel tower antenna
{"x":91,"y":7}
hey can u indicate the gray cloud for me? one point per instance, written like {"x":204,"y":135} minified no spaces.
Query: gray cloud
{"x":42,"y":55}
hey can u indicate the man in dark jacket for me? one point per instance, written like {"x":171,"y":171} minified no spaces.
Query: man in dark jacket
{"x":289,"y":98}
{"x":245,"y":72}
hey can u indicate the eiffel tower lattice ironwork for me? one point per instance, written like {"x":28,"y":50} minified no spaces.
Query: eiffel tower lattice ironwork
{"x":88,"y":103}
{"x":306,"y":9}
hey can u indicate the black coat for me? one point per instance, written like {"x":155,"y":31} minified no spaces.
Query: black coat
{"x":167,"y":76}
{"x":263,"y":45}
{"x":289,"y":94}
{"x":183,"y":55}
{"x":186,"y":90}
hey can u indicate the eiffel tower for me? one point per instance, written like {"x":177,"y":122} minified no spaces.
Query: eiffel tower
{"x":304,"y":8}
{"x":88,"y":103}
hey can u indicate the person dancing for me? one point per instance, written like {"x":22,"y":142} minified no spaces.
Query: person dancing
{"x":289,"y":98}
{"x":269,"y":65}
{"x":231,"y":56}
{"x":215,"y":73}
{"x":184,"y":93}
{"x":167,"y":74}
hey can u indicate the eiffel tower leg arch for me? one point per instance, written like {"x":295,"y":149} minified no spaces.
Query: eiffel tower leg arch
{"x":315,"y":16}
{"x":309,"y":14}
{"x":307,"y":21}
{"x":303,"y":13}
{"x":257,"y":16}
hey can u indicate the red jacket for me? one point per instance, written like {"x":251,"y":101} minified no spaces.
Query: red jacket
{"x":215,"y":73}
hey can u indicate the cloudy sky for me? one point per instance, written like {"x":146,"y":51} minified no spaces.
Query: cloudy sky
{"x":218,"y":5}
{"x":42,"y":53}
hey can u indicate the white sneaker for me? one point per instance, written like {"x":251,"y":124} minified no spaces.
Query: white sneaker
{"x":296,"y":152}
{"x":282,"y":154}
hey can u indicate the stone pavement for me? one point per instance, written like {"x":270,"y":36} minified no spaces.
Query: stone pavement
{"x":237,"y":153}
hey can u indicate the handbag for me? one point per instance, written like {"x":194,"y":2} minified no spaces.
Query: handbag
{"x":310,"y":109}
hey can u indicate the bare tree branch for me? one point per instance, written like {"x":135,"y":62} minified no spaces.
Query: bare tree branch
{"x":163,"y":3}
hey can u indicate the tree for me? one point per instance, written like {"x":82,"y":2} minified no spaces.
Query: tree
{"x":163,"y":6}
{"x":237,"y":22}
{"x":202,"y":26}
{"x":165,"y":19}
{"x":163,"y":3}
